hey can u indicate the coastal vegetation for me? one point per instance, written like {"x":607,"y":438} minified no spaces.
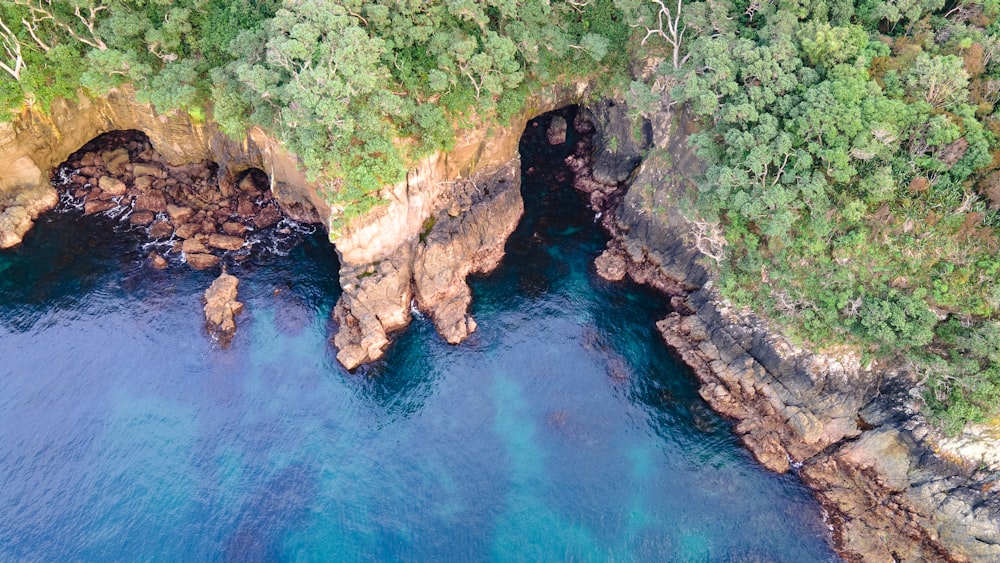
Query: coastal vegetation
{"x":852,"y":177}
{"x":852,"y":151}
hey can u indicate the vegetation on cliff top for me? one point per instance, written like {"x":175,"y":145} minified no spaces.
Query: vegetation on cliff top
{"x":358,"y":89}
{"x":854,"y":176}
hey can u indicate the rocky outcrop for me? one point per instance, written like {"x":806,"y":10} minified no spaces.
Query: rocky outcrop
{"x":221,"y":308}
{"x":36,"y":142}
{"x":467,"y":238}
{"x":450,"y":217}
{"x":852,"y":431}
{"x":430,"y":270}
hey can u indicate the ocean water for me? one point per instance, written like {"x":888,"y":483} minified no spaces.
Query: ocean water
{"x":562,"y":430}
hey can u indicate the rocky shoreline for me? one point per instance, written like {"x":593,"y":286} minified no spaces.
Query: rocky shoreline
{"x":200,"y":220}
{"x":851,"y":431}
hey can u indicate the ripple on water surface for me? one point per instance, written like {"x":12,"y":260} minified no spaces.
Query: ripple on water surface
{"x":561,"y":430}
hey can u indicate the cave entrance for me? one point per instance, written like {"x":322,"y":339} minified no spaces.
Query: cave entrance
{"x":187,"y":217}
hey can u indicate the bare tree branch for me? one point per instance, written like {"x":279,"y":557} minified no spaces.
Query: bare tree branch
{"x":674,"y":34}
{"x":42,"y":11}
{"x":12,"y":48}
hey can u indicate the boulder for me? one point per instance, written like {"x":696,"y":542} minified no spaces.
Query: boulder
{"x":161,"y":229}
{"x":157,"y":261}
{"x":556,"y":133}
{"x":268,"y":217}
{"x":179,"y":214}
{"x":142,"y":218}
{"x":245,"y":208}
{"x":234,"y":229}
{"x":221,"y":308}
{"x":148,"y":169}
{"x":187,"y":230}
{"x":143,"y":183}
{"x":97,"y":206}
{"x":111,"y":186}
{"x":154,"y":201}
{"x":202,"y":261}
{"x":194,"y":246}
{"x":225,"y":242}
{"x":116,"y":161}
{"x":90,"y":159}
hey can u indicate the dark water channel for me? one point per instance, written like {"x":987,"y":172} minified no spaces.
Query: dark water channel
{"x":561,"y":431}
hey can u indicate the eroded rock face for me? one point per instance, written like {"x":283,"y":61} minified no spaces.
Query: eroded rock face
{"x":464,"y":240}
{"x":430,"y":271}
{"x":449,"y":218}
{"x":852,"y":431}
{"x":35,"y":143}
{"x":221,"y":308}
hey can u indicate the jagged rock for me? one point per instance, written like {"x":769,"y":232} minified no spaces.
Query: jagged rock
{"x":245,"y":208}
{"x":221,"y":308}
{"x":473,"y":242}
{"x":202,"y":261}
{"x":161,"y":230}
{"x":14,"y":223}
{"x":112,"y":186}
{"x":556,"y":133}
{"x":611,"y":266}
{"x":225,"y":242}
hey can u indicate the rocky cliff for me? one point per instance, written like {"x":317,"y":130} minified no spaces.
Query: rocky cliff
{"x":36,"y":142}
{"x":852,"y":431}
{"x":449,"y":218}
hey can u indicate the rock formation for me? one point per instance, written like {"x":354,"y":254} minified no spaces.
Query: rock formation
{"x":221,"y":308}
{"x":35,"y":143}
{"x":852,"y":431}
{"x":450,"y":217}
{"x":121,"y":174}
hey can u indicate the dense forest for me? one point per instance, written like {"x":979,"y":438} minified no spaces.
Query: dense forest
{"x":852,"y":148}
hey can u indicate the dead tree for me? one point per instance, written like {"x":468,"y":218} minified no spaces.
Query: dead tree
{"x":673,"y":34}
{"x":44,"y":13}
{"x":12,"y":48}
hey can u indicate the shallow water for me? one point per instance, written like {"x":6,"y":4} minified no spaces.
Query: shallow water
{"x":562,"y":430}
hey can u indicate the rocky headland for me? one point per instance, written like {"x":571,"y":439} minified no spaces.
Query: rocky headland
{"x":893,"y":487}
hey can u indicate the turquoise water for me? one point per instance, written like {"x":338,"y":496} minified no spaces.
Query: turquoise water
{"x":562,"y":430}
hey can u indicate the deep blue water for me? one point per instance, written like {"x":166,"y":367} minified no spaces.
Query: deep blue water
{"x":562,"y":430}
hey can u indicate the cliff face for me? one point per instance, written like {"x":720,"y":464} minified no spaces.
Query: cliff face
{"x":449,"y":218}
{"x":35,"y":143}
{"x":851,"y":431}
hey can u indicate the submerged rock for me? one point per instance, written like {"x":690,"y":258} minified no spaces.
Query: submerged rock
{"x":221,"y":308}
